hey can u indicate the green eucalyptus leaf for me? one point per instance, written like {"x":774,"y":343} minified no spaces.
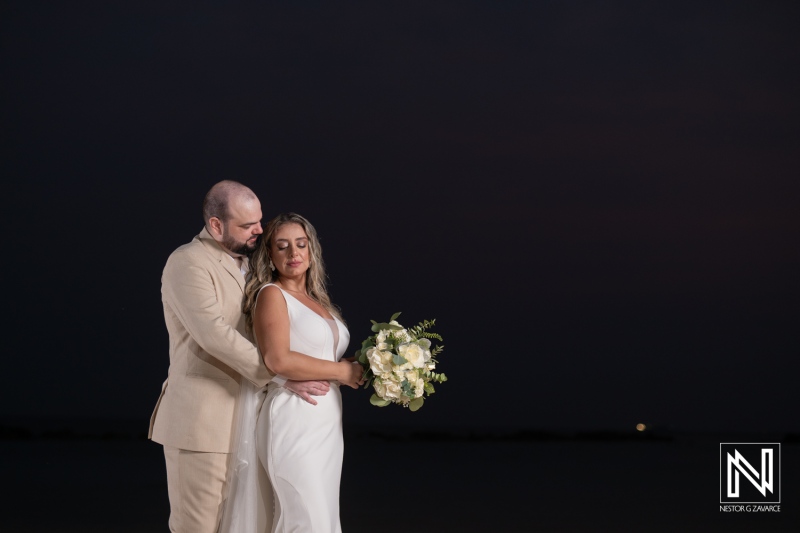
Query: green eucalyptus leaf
{"x":378,"y":401}
{"x":416,"y":403}
{"x":399,"y":359}
{"x":394,"y":316}
{"x":429,"y":388}
{"x":386,"y":325}
{"x":406,"y":387}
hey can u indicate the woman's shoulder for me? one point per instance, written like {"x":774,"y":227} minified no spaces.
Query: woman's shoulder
{"x":269,"y":288}
{"x":269,"y":292}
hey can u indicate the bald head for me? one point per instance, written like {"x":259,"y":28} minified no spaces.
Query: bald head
{"x":233,"y":217}
{"x":217,"y":202}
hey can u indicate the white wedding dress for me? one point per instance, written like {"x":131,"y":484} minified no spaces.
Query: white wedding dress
{"x":300,"y":445}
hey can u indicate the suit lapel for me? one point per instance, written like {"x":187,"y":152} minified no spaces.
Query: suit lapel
{"x":226,"y":261}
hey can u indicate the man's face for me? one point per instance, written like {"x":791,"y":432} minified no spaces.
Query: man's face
{"x":240,"y":232}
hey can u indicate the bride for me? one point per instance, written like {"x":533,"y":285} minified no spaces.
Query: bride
{"x":301,"y":336}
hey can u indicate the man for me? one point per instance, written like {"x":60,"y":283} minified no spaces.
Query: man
{"x":210,"y":353}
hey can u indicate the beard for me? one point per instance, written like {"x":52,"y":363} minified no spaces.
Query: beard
{"x":237,"y":247}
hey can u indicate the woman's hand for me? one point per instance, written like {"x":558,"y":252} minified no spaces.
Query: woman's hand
{"x":352,"y":373}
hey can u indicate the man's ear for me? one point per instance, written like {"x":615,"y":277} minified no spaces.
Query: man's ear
{"x":215,"y":227}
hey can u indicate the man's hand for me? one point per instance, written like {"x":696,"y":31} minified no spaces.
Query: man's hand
{"x":307,"y":389}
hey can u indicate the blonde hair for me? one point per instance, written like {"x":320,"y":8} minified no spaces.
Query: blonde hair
{"x":261,"y":274}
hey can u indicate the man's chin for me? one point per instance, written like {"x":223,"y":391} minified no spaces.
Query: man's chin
{"x":245,"y":249}
{"x":239,"y":248}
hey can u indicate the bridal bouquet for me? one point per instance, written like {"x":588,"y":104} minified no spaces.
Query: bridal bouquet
{"x":399,"y":363}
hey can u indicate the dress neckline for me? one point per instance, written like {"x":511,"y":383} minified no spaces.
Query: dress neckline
{"x":333,"y":324}
{"x":301,"y":303}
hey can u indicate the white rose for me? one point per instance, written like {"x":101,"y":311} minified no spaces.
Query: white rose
{"x":400,"y":372}
{"x":400,"y":334}
{"x":419,"y":388}
{"x":425,"y":344}
{"x":412,"y":353}
{"x":380,"y":362}
{"x":392,"y":390}
{"x":380,"y":388}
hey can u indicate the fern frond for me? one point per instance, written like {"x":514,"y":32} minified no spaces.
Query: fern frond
{"x":421,"y":327}
{"x":429,"y":335}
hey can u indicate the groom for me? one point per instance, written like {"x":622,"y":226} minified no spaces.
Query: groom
{"x":202,"y":287}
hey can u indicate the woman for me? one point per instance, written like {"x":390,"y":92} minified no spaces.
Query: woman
{"x":302,"y":337}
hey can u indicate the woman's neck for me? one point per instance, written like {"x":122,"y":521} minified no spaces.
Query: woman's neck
{"x":297,"y":285}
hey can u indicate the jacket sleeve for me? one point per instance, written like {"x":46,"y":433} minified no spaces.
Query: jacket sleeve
{"x":189,"y":288}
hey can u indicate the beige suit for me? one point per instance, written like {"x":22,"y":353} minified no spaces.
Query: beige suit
{"x":210,"y":353}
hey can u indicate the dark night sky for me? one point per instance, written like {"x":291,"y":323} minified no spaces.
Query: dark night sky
{"x":598,"y":202}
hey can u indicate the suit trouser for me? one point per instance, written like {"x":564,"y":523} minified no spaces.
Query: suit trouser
{"x":195,"y":483}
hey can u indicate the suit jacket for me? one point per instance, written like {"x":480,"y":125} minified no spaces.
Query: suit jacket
{"x":209,"y":350}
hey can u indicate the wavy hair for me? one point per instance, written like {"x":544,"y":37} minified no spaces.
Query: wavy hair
{"x":260,"y":273}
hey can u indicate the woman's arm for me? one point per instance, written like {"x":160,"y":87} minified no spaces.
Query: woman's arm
{"x":271,"y":328}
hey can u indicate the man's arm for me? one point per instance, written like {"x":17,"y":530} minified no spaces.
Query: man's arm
{"x":189,"y":290}
{"x":307,"y":389}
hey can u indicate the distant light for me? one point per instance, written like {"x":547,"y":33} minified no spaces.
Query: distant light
{"x":640,"y":427}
